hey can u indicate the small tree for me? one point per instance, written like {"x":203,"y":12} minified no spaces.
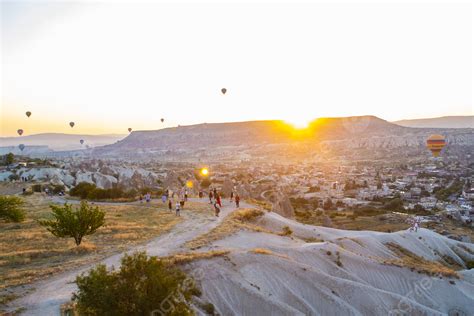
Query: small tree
{"x":143,"y":286}
{"x":74,"y":223}
{"x":11,"y":208}
{"x":9,"y":159}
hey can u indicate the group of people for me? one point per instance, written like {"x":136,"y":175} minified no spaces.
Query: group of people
{"x":215,"y":199}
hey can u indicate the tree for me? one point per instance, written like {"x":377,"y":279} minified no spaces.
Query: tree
{"x":395,"y":204}
{"x":74,"y":223}
{"x":143,"y":286}
{"x":11,"y":208}
{"x":9,"y":159}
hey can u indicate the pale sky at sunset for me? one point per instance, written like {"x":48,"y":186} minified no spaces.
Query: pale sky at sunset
{"x":110,"y":66}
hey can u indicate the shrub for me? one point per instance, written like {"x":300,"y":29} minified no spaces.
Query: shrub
{"x":142,"y":286}
{"x":74,"y":223}
{"x":13,"y":177}
{"x":36,"y":188}
{"x":11,"y":208}
{"x":82,"y":190}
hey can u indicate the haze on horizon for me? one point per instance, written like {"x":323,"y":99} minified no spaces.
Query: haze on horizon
{"x":109,"y":66}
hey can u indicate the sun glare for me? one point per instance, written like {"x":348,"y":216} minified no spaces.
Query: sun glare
{"x":298,"y":123}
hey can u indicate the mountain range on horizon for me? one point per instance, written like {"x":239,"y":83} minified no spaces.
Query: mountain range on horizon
{"x":241,"y":133}
{"x":439,"y":122}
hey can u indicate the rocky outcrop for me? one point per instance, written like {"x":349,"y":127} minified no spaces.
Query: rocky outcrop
{"x":282,"y":206}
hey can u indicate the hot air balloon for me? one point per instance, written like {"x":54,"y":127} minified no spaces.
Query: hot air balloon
{"x":28,"y":113}
{"x":21,"y":146}
{"x":223,"y":90}
{"x":129,"y":129}
{"x":435,"y":143}
{"x":71,"y":124}
{"x":81,"y":141}
{"x":20,"y":132}
{"x":162,"y":120}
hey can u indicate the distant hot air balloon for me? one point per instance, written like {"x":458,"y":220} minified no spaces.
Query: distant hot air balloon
{"x":21,"y":146}
{"x":162,"y":120}
{"x":129,"y":129}
{"x":20,"y":132}
{"x":436,"y":143}
{"x":81,"y":141}
{"x":71,"y":124}
{"x":223,"y":90}
{"x":28,"y":113}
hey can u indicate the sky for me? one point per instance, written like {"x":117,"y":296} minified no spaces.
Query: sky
{"x":108,"y":66}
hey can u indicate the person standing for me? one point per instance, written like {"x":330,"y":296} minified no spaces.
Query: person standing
{"x":186,"y":195}
{"x":218,"y":200}
{"x":170,"y":205}
{"x":210,"y":197}
{"x":178,"y":208}
{"x":237,"y":201}
{"x":231,"y":196}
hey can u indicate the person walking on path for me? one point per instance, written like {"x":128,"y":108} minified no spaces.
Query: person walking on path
{"x":178,"y":209}
{"x":218,"y":200}
{"x":237,"y":201}
{"x":217,"y":209}
{"x":170,"y":205}
{"x":210,"y":197}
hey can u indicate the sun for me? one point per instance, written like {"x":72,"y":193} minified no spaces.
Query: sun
{"x":204,"y":171}
{"x":298,"y":123}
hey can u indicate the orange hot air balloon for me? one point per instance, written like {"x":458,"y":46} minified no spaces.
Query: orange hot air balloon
{"x":436,"y":143}
{"x":20,"y":132}
{"x":223,"y":90}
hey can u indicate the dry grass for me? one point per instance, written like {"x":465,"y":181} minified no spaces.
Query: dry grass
{"x":343,"y":221}
{"x":231,"y":224}
{"x":29,"y":252}
{"x":263,"y":251}
{"x":263,"y":204}
{"x":414,"y":262}
{"x":182,"y":258}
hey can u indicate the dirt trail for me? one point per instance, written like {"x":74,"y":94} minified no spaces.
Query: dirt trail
{"x":49,"y":294}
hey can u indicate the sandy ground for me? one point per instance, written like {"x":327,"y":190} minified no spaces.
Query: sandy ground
{"x":49,"y":294}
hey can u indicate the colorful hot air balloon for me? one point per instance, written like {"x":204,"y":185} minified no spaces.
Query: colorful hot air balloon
{"x":28,"y":113}
{"x":21,"y":146}
{"x":129,"y":129}
{"x":71,"y":124}
{"x":162,"y":120}
{"x":20,"y":132}
{"x":223,"y":90}
{"x":435,"y":143}
{"x":81,"y":141}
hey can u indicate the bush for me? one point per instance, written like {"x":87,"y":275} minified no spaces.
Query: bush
{"x":13,"y":177}
{"x":395,"y":205}
{"x":74,"y":223}
{"x":90,"y":191}
{"x":82,"y":190}
{"x":36,"y":188}
{"x":143,"y":286}
{"x":11,"y":208}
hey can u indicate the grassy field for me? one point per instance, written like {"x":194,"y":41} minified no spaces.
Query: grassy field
{"x":343,"y":220}
{"x":29,"y":252}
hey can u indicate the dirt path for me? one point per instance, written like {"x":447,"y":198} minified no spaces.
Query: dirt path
{"x":49,"y":294}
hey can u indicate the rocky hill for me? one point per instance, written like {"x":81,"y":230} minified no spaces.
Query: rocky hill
{"x":440,"y":122}
{"x":352,"y":132}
